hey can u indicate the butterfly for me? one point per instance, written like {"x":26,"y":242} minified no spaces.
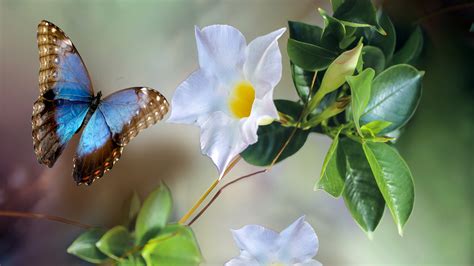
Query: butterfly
{"x":67,"y":104}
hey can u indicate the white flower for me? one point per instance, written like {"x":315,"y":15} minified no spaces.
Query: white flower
{"x":296,"y":245}
{"x":231,"y":93}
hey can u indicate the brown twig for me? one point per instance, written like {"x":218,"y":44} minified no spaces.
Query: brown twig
{"x":41,"y":216}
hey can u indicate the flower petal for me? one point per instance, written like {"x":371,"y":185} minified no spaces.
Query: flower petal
{"x":309,"y":263}
{"x":221,"y":50}
{"x":194,"y":99}
{"x":263,"y":62}
{"x":263,"y":113}
{"x":298,"y":243}
{"x":221,"y":139}
{"x":258,"y":241}
{"x":245,"y":259}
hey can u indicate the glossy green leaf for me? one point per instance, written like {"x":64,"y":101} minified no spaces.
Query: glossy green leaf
{"x":386,"y":43}
{"x":302,"y":80}
{"x":116,"y":242}
{"x":472,"y":28}
{"x":176,"y":245}
{"x":361,"y":194}
{"x":332,"y":173}
{"x":360,"y":94}
{"x":394,"y":97}
{"x":411,"y":50}
{"x":374,"y":128}
{"x":271,"y":138}
{"x":154,"y":214}
{"x":394,"y":180}
{"x":309,"y":56}
{"x":333,"y":32}
{"x":358,"y":13}
{"x":374,"y":58}
{"x":84,"y":246}
{"x":305,"y":32}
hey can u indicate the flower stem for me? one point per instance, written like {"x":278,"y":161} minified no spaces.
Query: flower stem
{"x":208,"y":191}
{"x":53,"y":218}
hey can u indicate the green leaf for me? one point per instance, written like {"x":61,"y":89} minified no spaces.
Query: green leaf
{"x":395,"y":95}
{"x":332,"y":174}
{"x":374,"y":58}
{"x":472,"y":28}
{"x":309,"y":56}
{"x":132,"y":260}
{"x":302,"y":80}
{"x":374,"y":128}
{"x":135,"y":205}
{"x":333,"y":32}
{"x":116,"y":242}
{"x":358,"y":13}
{"x":176,"y":245}
{"x":394,"y":180}
{"x":411,"y":50}
{"x":154,"y":214}
{"x":271,"y":138}
{"x":132,"y":205}
{"x":84,"y":246}
{"x":386,"y":43}
{"x":361,"y":194}
{"x":305,"y":32}
{"x":360,"y":94}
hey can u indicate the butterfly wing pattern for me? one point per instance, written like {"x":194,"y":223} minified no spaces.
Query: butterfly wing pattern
{"x":65,"y":94}
{"x":67,"y":103}
{"x":118,"y":118}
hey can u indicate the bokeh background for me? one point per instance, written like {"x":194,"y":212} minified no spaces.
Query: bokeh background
{"x":129,"y":43}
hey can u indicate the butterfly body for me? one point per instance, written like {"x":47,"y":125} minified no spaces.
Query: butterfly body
{"x":67,"y":105}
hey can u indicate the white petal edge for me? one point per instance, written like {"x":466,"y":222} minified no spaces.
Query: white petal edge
{"x":263,"y":111}
{"x":221,"y":139}
{"x":263,"y":63}
{"x":194,"y":100}
{"x":298,"y":243}
{"x":258,"y":241}
{"x":221,"y":50}
{"x":245,"y":259}
{"x":309,"y":263}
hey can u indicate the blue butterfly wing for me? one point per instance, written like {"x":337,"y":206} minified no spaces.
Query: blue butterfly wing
{"x":117,"y":119}
{"x":62,"y":71}
{"x":97,"y":152}
{"x":65,"y":94}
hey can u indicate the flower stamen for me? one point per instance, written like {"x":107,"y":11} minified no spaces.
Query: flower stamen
{"x":241,"y":99}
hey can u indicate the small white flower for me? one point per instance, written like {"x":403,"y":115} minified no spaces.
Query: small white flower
{"x":231,"y":93}
{"x":296,"y":245}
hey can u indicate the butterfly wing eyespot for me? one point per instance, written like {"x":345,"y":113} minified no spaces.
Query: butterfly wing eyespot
{"x":118,"y":119}
{"x":65,"y":92}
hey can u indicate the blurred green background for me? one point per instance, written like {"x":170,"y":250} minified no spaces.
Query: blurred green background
{"x":129,"y":43}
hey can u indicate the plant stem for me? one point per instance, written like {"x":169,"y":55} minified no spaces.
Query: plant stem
{"x":208,"y":191}
{"x":41,"y":216}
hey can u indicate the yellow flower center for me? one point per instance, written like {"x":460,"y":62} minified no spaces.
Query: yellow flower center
{"x":241,"y":99}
